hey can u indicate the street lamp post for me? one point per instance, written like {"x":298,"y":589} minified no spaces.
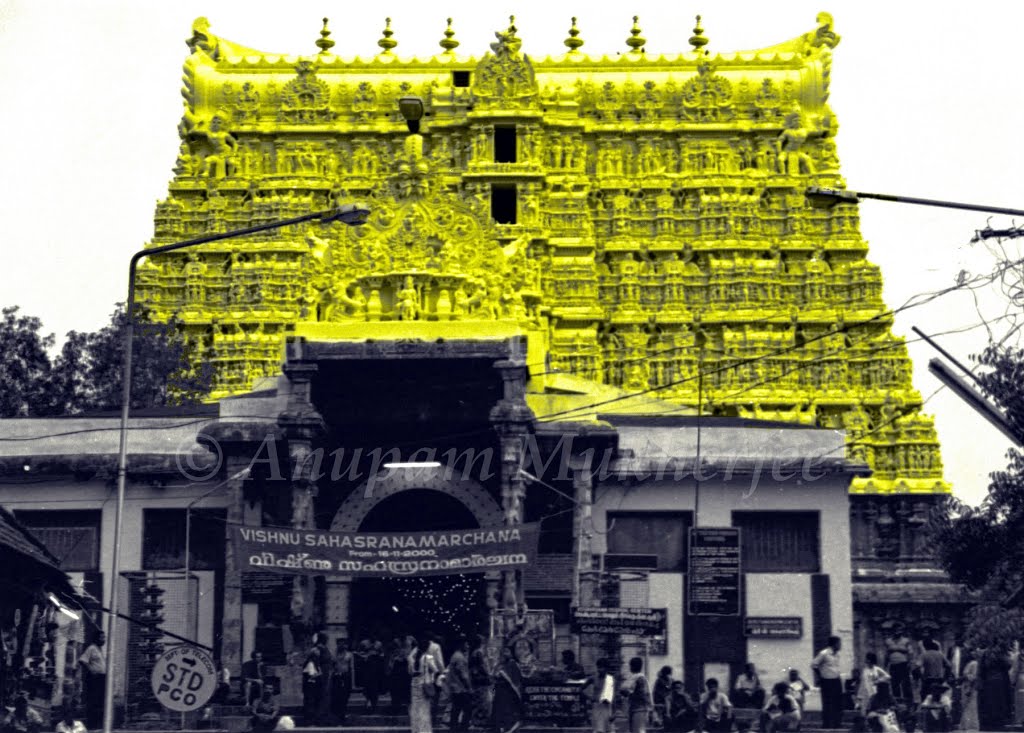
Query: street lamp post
{"x":351,"y":214}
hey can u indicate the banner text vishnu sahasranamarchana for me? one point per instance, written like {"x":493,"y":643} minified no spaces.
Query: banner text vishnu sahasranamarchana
{"x":390,"y":554}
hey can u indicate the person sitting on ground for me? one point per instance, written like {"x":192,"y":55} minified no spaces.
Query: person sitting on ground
{"x":682,"y":714}
{"x":936,"y":709}
{"x":882,"y":711}
{"x":781,"y":712}
{"x":747,"y":692}
{"x":68,"y":724}
{"x":265,"y":713}
{"x":715,"y":709}
{"x":253,"y":678}
{"x":23,"y":719}
{"x":797,"y":687}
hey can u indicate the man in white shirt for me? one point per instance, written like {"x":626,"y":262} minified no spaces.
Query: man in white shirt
{"x":94,"y":681}
{"x":434,"y":650}
{"x":826,"y":672}
{"x":601,"y":713}
{"x":715,"y":708}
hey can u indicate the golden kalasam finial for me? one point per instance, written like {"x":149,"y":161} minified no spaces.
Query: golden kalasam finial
{"x":387,"y":42}
{"x":512,"y":25}
{"x":698,"y":40}
{"x":448,"y":43}
{"x":636,"y":42}
{"x":573,"y":41}
{"x":324,"y":42}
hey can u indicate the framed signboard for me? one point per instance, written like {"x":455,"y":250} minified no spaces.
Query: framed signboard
{"x":773,"y":627}
{"x":637,"y":621}
{"x":713,"y":579}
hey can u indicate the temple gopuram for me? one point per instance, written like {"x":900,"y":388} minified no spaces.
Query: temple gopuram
{"x":614,"y":252}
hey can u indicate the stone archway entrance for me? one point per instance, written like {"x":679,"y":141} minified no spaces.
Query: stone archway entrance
{"x":413,"y":501}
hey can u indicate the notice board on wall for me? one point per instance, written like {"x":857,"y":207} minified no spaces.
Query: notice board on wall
{"x":713,"y":579}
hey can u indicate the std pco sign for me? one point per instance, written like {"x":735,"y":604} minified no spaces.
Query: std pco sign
{"x":184,"y":679}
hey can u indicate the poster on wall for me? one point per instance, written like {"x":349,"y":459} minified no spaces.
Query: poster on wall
{"x":384,"y":555}
{"x":714,"y":572}
{"x":538,"y":625}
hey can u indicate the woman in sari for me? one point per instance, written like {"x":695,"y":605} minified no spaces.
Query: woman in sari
{"x":969,"y":697}
{"x":422,"y":671}
{"x":508,"y":687}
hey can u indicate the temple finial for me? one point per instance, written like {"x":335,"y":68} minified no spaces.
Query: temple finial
{"x":448,"y":43}
{"x":324,"y":42}
{"x":387,"y":42}
{"x":698,"y":40}
{"x":573,"y":41}
{"x":512,"y":25}
{"x":636,"y":42}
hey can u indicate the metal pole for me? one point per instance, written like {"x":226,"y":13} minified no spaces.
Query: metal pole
{"x":697,"y":460}
{"x":188,"y":585}
{"x":931,"y":342}
{"x":122,"y":470}
{"x":348,"y":214}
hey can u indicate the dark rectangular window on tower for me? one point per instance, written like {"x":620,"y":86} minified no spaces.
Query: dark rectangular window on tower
{"x":460,"y":79}
{"x":505,"y":144}
{"x":503,"y":203}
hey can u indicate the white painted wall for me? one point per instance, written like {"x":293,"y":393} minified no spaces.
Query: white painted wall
{"x":666,"y":591}
{"x":766,"y":593}
{"x":775,"y":594}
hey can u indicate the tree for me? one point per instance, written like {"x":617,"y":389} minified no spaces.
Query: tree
{"x":983,"y":547}
{"x":85,"y":375}
{"x":24,"y":363}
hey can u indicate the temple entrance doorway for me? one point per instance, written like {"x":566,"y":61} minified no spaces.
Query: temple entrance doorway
{"x":449,"y":605}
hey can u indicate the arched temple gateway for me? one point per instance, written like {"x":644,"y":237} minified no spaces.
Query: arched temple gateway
{"x":577,"y":260}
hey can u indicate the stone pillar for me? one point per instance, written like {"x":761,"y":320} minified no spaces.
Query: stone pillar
{"x":300,"y":452}
{"x":582,"y":525}
{"x":231,"y":624}
{"x":338,"y":591}
{"x":301,"y":424}
{"x":513,"y":492}
{"x":512,"y":419}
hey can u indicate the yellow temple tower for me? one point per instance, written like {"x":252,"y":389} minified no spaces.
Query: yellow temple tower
{"x":642,"y":218}
{"x":644,"y":215}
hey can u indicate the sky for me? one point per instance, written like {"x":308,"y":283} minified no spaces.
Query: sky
{"x":926,"y":95}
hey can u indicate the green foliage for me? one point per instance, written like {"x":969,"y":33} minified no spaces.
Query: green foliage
{"x":85,"y":376}
{"x":24,"y":363}
{"x":983,"y":547}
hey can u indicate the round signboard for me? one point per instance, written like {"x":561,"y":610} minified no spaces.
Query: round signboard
{"x":184,"y":679}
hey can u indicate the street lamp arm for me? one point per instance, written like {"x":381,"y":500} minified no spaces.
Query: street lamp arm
{"x":826,"y":198}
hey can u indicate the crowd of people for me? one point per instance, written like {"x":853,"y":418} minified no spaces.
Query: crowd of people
{"x":917,"y":684}
{"x":411,"y":671}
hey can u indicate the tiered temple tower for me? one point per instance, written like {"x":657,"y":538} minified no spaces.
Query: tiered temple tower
{"x":643,"y":216}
